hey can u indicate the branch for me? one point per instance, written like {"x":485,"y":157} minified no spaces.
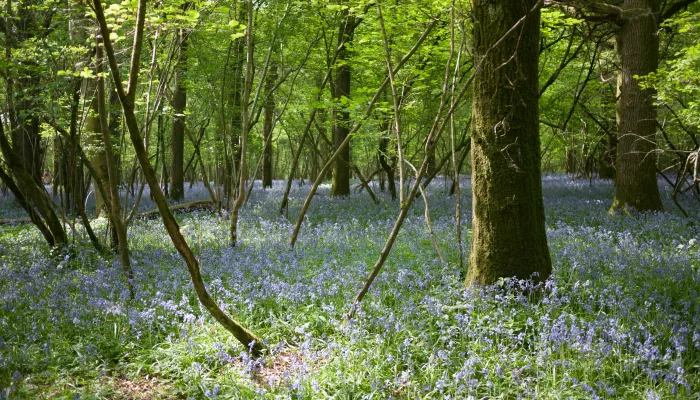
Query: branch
{"x":109,"y":50}
{"x":674,"y":8}
{"x":602,"y":12}
{"x":135,"y":64}
{"x":564,"y":62}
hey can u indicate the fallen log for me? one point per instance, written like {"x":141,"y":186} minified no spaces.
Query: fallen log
{"x":13,"y":221}
{"x":204,"y":205}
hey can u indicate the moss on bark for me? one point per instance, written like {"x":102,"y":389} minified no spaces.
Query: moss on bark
{"x":508,"y":238}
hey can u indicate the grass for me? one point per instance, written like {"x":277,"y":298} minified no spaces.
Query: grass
{"x":620,"y":317}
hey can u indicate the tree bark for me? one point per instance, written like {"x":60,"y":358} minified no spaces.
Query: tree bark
{"x":341,"y":117}
{"x":233,"y":159}
{"x":606,"y":164}
{"x":98,"y":158}
{"x":508,"y":238}
{"x":33,"y":216}
{"x":245,"y":127}
{"x":267,"y":126}
{"x":383,"y":161}
{"x":177,"y":149}
{"x":638,"y":44}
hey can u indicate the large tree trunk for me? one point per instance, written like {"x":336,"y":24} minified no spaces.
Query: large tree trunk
{"x":508,"y":238}
{"x":267,"y":126}
{"x":638,"y":44}
{"x":177,"y":178}
{"x":341,"y":117}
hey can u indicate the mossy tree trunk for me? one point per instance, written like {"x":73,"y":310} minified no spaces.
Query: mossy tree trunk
{"x":638,"y":44}
{"x":508,"y":238}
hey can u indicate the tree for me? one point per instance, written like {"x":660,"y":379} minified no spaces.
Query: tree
{"x":115,"y":212}
{"x":127,"y":98}
{"x":98,"y":158}
{"x":23,"y":82}
{"x":341,"y":117}
{"x":508,"y":232}
{"x":637,"y":39}
{"x":267,"y":125}
{"x":638,"y":45}
{"x":177,"y":149}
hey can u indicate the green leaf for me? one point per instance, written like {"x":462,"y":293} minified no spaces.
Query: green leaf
{"x":193,"y":14}
{"x":86,"y":73}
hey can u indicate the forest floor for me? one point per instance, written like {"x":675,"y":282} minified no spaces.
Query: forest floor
{"x":620,"y":316}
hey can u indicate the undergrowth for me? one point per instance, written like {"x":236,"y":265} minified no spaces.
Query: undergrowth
{"x":620,"y":317}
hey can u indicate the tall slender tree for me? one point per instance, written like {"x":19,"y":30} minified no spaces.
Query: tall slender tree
{"x":341,"y":116}
{"x":115,"y":214}
{"x":177,"y":141}
{"x":267,"y":125}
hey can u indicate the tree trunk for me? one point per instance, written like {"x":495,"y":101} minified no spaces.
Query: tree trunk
{"x":164,"y":176}
{"x":177,"y":178}
{"x":24,"y":124}
{"x":33,"y":192}
{"x":508,"y":238}
{"x":115,"y":129}
{"x":33,"y":216}
{"x":606,"y":164}
{"x":115,"y":213}
{"x":233,"y":158}
{"x":638,"y":44}
{"x":26,"y":140}
{"x":383,"y":161}
{"x":267,"y":126}
{"x":341,"y":117}
{"x":571,"y":161}
{"x":433,"y":168}
{"x":245,"y":127}
{"x":98,"y":159}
